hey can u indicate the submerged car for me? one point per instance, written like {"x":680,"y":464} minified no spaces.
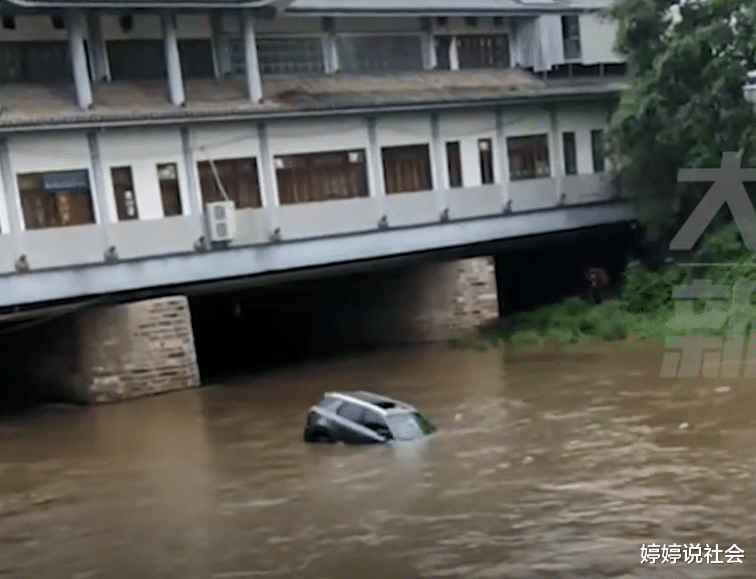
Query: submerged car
{"x":363,"y":418}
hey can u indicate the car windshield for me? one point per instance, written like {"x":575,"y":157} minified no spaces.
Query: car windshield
{"x":409,"y":425}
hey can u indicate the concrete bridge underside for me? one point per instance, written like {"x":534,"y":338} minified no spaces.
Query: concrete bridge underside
{"x":109,"y":352}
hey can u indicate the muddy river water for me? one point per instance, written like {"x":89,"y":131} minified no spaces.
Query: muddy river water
{"x":544,"y":467}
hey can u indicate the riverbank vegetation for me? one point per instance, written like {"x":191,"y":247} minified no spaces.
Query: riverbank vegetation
{"x":643,"y":308}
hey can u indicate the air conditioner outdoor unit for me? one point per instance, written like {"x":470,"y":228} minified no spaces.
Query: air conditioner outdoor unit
{"x":221,"y":220}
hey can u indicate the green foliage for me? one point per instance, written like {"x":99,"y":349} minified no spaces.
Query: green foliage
{"x":646,"y":306}
{"x":525,"y":339}
{"x":560,"y":336}
{"x":685,"y":105}
{"x":725,"y":245}
{"x":646,"y":291}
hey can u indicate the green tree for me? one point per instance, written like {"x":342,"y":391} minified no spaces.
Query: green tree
{"x":685,"y":105}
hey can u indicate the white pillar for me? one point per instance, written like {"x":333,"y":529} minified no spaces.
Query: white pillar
{"x":330,"y":49}
{"x":187,"y":151}
{"x":268,"y":184}
{"x":254,"y":82}
{"x":12,"y":201}
{"x":76,"y":37}
{"x":437,"y":158}
{"x":429,"y":45}
{"x":97,"y":55}
{"x":173,"y":59}
{"x":556,"y":160}
{"x":453,"y":55}
{"x":99,"y":196}
{"x":216,"y":32}
{"x":375,"y":170}
{"x":221,"y":57}
{"x":503,"y":157}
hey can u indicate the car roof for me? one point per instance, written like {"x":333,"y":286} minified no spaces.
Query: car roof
{"x":383,"y":404}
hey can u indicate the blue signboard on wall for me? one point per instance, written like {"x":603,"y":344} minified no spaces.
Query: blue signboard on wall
{"x":70,"y":181}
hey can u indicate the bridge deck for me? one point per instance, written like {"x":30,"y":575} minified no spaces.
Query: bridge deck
{"x":68,"y":263}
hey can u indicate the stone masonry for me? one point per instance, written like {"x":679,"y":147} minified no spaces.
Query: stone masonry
{"x":427,"y":302}
{"x":136,"y":349}
{"x":458,"y":298}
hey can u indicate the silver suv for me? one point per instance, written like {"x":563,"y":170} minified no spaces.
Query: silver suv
{"x":363,"y":418}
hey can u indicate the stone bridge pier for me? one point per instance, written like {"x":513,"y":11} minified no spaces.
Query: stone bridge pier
{"x":430,"y":302}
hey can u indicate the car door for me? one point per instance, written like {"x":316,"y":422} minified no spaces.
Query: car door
{"x":350,"y":427}
{"x":374,"y":420}
{"x":321,"y":416}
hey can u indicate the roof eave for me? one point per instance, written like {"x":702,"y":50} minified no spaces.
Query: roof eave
{"x":280,"y":5}
{"x":333,"y":111}
{"x":414,"y":12}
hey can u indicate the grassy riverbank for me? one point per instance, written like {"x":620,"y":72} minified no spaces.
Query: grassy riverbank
{"x":643,"y":309}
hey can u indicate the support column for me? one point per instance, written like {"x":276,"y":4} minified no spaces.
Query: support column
{"x":96,"y":45}
{"x":76,"y":38}
{"x":173,"y":60}
{"x":424,"y":302}
{"x":108,"y":353}
{"x":375,"y":173}
{"x":98,"y":186}
{"x":269,"y":191}
{"x":195,"y":197}
{"x":137,"y":349}
{"x":254,"y":81}
{"x":438,"y":155}
{"x":557,"y":159}
{"x":330,"y":48}
{"x":196,"y":209}
{"x":12,"y":205}
{"x":429,"y":45}
{"x":453,"y":54}
{"x":221,"y":57}
{"x":503,"y":159}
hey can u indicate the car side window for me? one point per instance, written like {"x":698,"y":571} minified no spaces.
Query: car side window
{"x":373,"y":419}
{"x":350,"y":411}
{"x":330,"y":404}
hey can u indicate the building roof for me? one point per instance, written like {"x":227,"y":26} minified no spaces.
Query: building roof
{"x":440,"y":7}
{"x":337,"y":7}
{"x":26,"y":107}
{"x":155,"y":4}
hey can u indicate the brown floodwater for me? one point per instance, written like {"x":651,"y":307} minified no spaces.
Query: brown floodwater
{"x":545,"y":466}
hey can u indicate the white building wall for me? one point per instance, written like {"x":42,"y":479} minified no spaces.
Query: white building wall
{"x":403,"y":129}
{"x":522,"y":121}
{"x":288,"y":25}
{"x":32,"y":28}
{"x":194,"y":26}
{"x":291,"y":137}
{"x":50,"y":152}
{"x":524,"y":49}
{"x":581,"y":121}
{"x":146,"y":27}
{"x":551,"y":44}
{"x":378,"y":25}
{"x":143,"y":150}
{"x":4,"y":222}
{"x":598,"y":35}
{"x":221,"y":141}
{"x":484,"y":25}
{"x":468,"y":128}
